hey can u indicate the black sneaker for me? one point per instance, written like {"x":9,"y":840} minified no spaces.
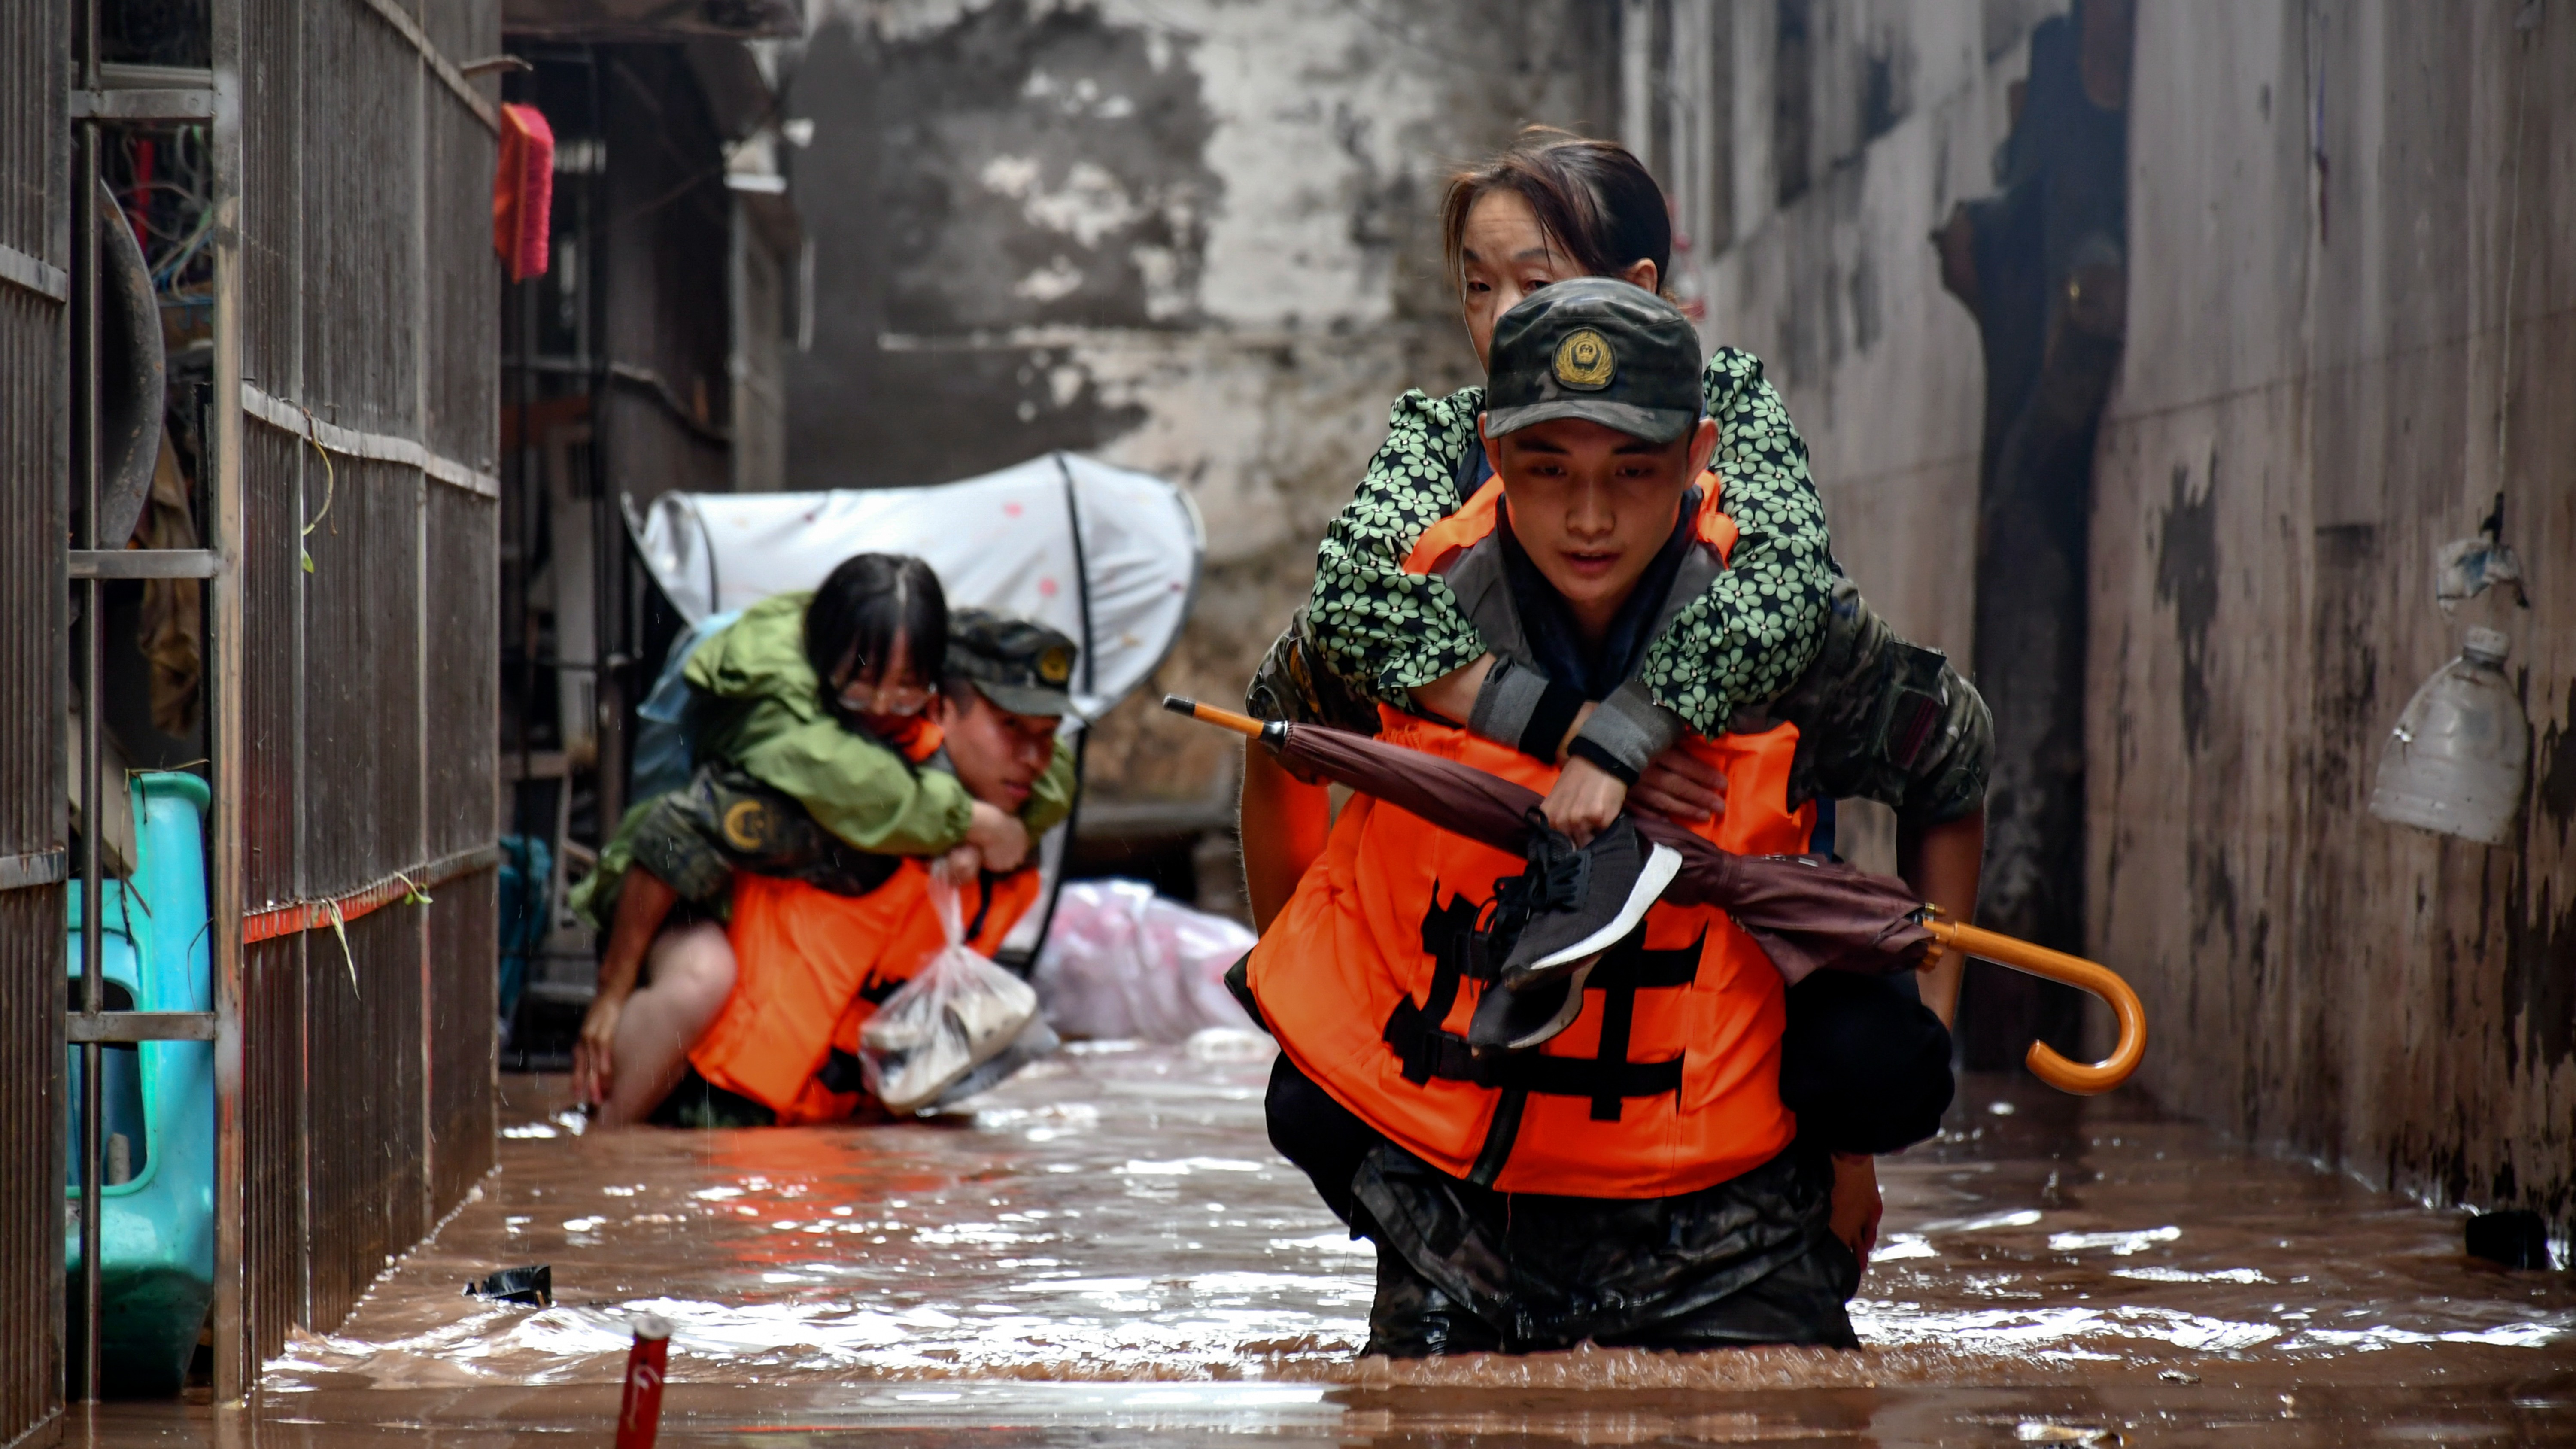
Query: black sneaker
{"x":1580,"y":902}
{"x":1515,"y":1021}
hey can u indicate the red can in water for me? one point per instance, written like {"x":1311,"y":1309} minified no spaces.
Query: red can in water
{"x":639,"y":1414}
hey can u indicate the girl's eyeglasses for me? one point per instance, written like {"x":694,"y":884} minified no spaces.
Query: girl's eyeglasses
{"x":859,"y":697}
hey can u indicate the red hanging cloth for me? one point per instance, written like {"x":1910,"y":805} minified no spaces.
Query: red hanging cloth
{"x":523,"y":188}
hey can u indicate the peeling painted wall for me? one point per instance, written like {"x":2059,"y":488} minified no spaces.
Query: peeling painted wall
{"x":2352,"y":322}
{"x":1188,"y":236}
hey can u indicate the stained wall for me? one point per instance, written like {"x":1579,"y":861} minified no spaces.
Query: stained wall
{"x":1192,"y":237}
{"x":1851,"y":128}
{"x":2352,"y":324}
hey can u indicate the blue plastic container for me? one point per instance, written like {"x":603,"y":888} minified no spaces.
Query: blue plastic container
{"x":157,"y":1227}
{"x":527,"y":879}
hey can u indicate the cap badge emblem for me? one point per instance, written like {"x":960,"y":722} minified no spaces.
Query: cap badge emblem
{"x":746,"y":825}
{"x":1584,"y":360}
{"x":1056,"y":665}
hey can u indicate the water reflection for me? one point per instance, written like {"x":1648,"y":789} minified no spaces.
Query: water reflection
{"x":1111,"y":1231}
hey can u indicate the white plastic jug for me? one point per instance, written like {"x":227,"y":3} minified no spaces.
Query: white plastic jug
{"x":2456,"y":762}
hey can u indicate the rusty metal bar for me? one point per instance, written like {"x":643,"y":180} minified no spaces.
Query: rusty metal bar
{"x":420,"y":844}
{"x":289,"y":918}
{"x":142,"y":107}
{"x":145,"y":563}
{"x":34,"y":868}
{"x":93,"y":671}
{"x":125,"y":76}
{"x":382,"y":447}
{"x":438,"y":64}
{"x":129,"y":1027}
{"x":234,"y":1367}
{"x":297,"y":238}
{"x":35,"y":274}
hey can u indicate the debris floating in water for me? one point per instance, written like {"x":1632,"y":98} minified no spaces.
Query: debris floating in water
{"x":2515,"y":1239}
{"x":2088,"y":1436}
{"x":532,"y":1286}
{"x":639,"y":1411}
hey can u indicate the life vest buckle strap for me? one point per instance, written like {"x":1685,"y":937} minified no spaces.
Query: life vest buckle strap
{"x":1499,"y":1137}
{"x":1428,"y":1054}
{"x":1450,"y":937}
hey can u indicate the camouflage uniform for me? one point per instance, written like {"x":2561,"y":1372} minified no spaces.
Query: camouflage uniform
{"x":695,"y":838}
{"x":1883,"y":719}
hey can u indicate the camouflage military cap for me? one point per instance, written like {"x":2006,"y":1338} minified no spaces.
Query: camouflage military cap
{"x":1020,"y":665}
{"x":1598,"y":349}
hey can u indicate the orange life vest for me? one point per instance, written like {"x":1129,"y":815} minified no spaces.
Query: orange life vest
{"x":807,"y":960}
{"x":1667,"y":1082}
{"x":810,"y":968}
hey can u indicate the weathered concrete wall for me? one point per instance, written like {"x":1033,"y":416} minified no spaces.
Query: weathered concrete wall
{"x":2352,"y":322}
{"x":1189,"y":236}
{"x":1894,"y":110}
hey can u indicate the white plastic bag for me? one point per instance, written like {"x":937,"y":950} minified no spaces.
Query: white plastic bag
{"x":1035,"y":1040}
{"x":955,"y":1014}
{"x":1121,"y":961}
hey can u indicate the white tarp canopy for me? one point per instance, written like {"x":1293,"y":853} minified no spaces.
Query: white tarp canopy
{"x":1109,"y":556}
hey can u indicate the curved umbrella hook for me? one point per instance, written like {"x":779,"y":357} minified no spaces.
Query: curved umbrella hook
{"x":2087,"y":976}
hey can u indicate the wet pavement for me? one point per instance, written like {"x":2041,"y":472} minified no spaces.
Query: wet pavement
{"x":1106,"y":1251}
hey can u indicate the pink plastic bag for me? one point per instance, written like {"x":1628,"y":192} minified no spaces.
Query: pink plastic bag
{"x":1123,"y":962}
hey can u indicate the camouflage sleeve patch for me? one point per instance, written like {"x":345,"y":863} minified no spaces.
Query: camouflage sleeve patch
{"x":1883,"y":719}
{"x":676,"y":843}
{"x":1293,"y":684}
{"x":695,"y":839}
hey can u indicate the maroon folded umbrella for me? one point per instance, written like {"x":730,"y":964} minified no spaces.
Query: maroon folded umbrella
{"x":1807,"y":913}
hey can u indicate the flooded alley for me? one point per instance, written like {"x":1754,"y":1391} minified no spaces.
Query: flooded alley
{"x":1858,"y":715}
{"x":1106,"y":1251}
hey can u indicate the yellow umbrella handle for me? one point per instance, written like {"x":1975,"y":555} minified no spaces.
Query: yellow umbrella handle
{"x":1242,"y":724}
{"x":2075,"y":971}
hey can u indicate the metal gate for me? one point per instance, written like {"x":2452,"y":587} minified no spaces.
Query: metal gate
{"x":348,"y":493}
{"x":34,"y":286}
{"x":369,"y":358}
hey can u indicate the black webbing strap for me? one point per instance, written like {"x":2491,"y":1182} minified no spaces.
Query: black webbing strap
{"x":1607,"y":1077}
{"x":1499,"y":1137}
{"x":1549,"y":719}
{"x":841,"y":1073}
{"x":1628,"y":969}
{"x":1449,"y":938}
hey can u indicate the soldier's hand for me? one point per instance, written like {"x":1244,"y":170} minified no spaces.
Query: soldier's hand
{"x":594,"y":1051}
{"x":1681,"y":785}
{"x":1000,"y":838}
{"x":1586,"y":799}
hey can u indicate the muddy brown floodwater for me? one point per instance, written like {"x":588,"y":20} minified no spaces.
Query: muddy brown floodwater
{"x":1106,"y":1251}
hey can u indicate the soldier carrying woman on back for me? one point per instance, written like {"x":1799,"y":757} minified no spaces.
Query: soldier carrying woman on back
{"x":1605,"y":575}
